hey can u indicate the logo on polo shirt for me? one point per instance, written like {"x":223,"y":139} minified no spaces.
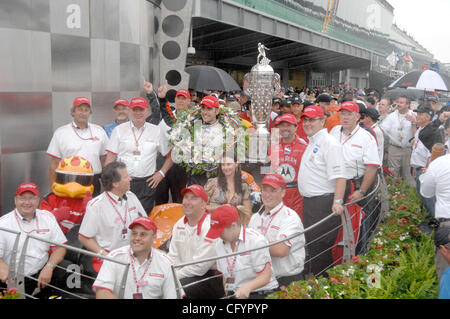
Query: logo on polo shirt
{"x":287,"y":171}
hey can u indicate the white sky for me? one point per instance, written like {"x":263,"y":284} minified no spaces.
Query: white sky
{"x":428,"y":21}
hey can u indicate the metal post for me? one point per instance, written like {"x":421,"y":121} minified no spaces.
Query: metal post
{"x":175,"y":279}
{"x":123,"y":283}
{"x":20,"y":281}
{"x":11,"y":282}
{"x":347,"y":236}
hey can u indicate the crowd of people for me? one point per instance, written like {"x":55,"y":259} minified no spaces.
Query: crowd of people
{"x":333,"y":146}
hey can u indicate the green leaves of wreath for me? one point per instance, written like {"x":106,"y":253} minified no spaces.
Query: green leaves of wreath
{"x":181,"y":137}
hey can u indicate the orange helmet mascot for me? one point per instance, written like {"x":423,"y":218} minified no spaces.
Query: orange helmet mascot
{"x":71,"y":191}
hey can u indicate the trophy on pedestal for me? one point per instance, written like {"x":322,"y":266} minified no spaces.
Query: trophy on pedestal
{"x":261,"y":84}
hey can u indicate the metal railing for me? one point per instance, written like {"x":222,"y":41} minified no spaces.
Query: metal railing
{"x":16,"y":277}
{"x":349,"y":243}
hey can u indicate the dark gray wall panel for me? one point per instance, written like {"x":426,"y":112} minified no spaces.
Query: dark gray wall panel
{"x":105,"y":65}
{"x":129,"y":21}
{"x":19,"y":168}
{"x":105,"y":24}
{"x":71,"y":63}
{"x":130,"y":77}
{"x":25,"y":14}
{"x":25,"y":65}
{"x":25,"y":121}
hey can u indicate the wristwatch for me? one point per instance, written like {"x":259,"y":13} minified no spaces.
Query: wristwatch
{"x":50,"y":265}
{"x":362,"y":192}
{"x":339,"y":201}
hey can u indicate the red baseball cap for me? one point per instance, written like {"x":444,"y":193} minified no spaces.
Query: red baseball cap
{"x":81,"y":100}
{"x":145,"y":222}
{"x":210,"y":101}
{"x":288,"y":118}
{"x":313,"y":112}
{"x":349,"y":106}
{"x":221,"y":218}
{"x":27,"y":187}
{"x":123,"y":102}
{"x":138,"y":102}
{"x":274,"y":180}
{"x":184,"y":92}
{"x":197,"y":190}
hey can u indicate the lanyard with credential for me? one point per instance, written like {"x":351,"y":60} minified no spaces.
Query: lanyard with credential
{"x":348,"y":138}
{"x":92,"y":138}
{"x":141,"y":282}
{"x":136,"y":140}
{"x":231,"y":266}
{"x":264,"y":230}
{"x":37,"y":230}
{"x":124,"y":219}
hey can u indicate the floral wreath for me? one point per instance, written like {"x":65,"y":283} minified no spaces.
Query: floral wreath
{"x":182,"y":138}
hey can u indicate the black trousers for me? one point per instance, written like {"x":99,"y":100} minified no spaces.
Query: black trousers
{"x":175,"y":180}
{"x":320,"y":239}
{"x":208,"y":289}
{"x":145,"y":194}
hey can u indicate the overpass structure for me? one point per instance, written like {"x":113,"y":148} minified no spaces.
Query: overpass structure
{"x":313,"y":43}
{"x":227,"y":33}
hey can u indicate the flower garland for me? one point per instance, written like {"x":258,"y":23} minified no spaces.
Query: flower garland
{"x":197,"y":156}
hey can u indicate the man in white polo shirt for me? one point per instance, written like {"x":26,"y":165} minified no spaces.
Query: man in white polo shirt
{"x":321,"y":182}
{"x":248,"y":275}
{"x":278,"y":222}
{"x":136,"y":143}
{"x":361,"y":164}
{"x":149,"y":274}
{"x":27,"y":219}
{"x":436,"y":182}
{"x":421,"y":154}
{"x":105,"y":223}
{"x":397,"y":126}
{"x":359,"y":148}
{"x":189,"y":243}
{"x":79,"y":138}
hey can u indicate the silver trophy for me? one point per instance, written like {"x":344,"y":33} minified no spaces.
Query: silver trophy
{"x":261,"y":84}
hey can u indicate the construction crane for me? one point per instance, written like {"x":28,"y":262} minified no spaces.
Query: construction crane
{"x":330,"y":13}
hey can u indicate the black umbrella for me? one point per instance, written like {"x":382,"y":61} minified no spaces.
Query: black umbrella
{"x":203,"y":77}
{"x":412,"y":94}
{"x":423,"y":80}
